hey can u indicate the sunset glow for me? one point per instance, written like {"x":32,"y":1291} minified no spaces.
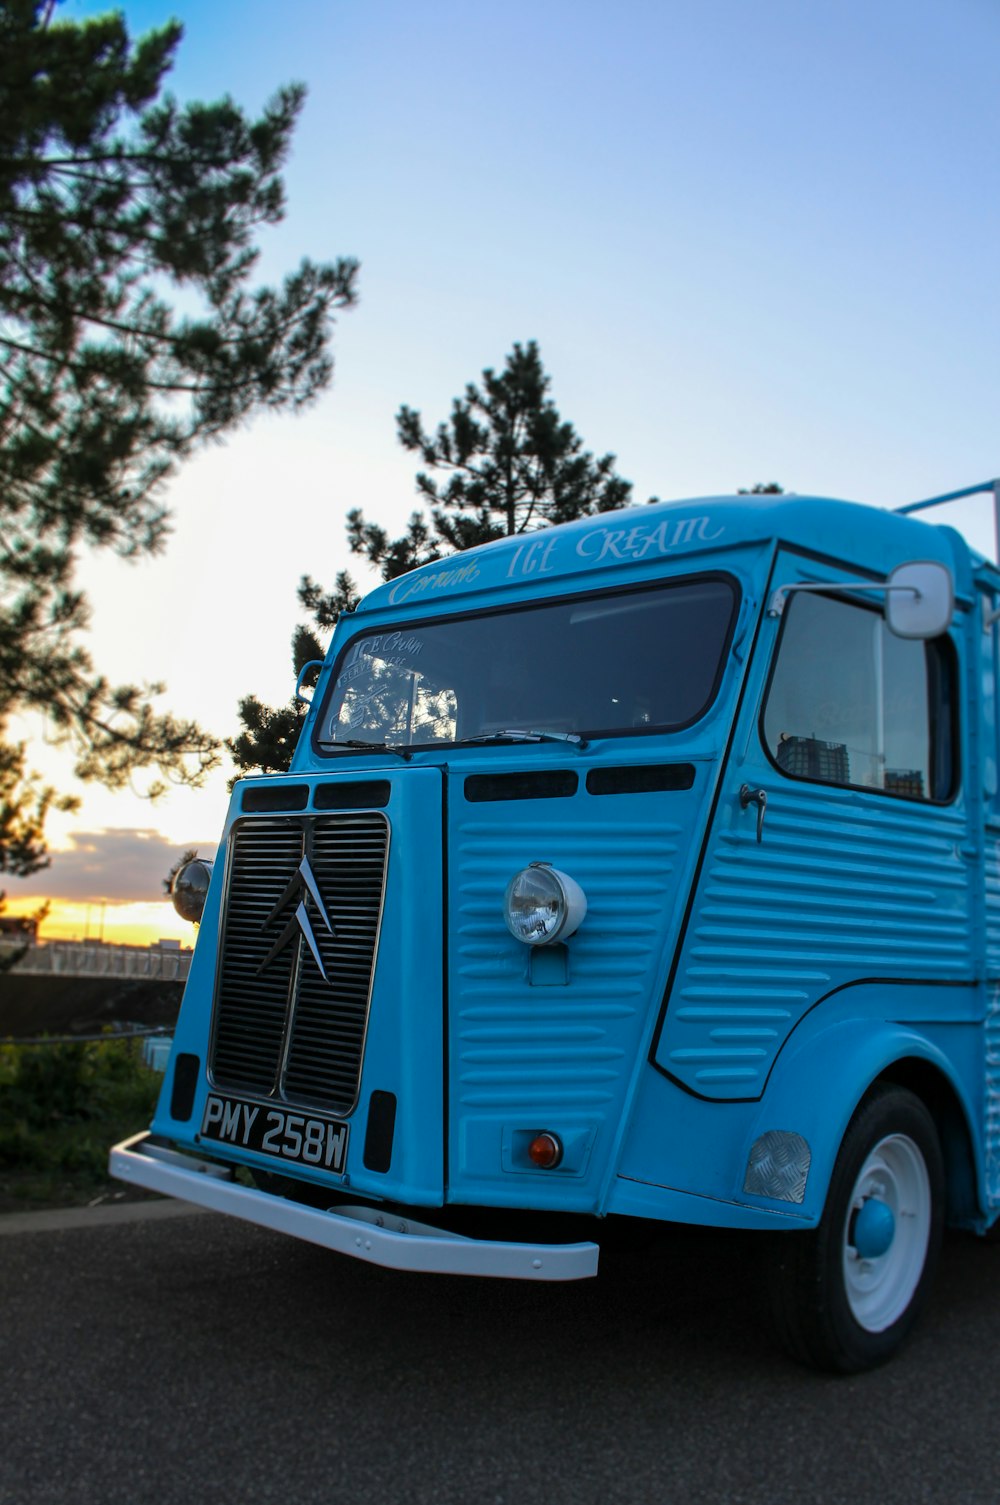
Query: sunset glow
{"x":126,"y":924}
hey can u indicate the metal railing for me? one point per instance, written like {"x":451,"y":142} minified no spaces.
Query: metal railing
{"x":78,"y":959}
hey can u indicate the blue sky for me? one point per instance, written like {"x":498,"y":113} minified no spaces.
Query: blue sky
{"x":755,"y":240}
{"x":750,"y":235}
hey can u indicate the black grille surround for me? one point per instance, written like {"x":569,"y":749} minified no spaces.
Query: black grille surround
{"x":280,"y":1031}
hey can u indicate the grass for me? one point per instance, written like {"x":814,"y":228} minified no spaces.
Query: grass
{"x":61,"y":1108}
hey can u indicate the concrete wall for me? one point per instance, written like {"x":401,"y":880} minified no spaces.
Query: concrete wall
{"x":34,"y":1005}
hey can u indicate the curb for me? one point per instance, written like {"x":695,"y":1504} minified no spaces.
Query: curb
{"x":65,"y":1219}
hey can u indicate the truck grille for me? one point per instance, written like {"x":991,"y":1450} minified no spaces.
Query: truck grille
{"x":300,"y":930}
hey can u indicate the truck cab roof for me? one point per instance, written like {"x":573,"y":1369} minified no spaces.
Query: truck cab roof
{"x":619,"y":544}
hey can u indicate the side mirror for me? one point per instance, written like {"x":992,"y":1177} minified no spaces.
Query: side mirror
{"x":919,"y":600}
{"x":190,"y":889}
{"x":919,"y":597}
{"x":314,"y":663}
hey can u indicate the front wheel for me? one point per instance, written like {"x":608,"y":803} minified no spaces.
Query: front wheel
{"x":845,"y":1296}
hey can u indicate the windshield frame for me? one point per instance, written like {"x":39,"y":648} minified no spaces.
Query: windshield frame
{"x":326,"y":749}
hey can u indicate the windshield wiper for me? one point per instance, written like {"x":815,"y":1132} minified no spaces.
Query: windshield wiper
{"x":517,"y":734}
{"x":357,"y":746}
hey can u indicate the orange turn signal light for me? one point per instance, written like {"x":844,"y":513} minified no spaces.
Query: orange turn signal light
{"x":545,"y":1151}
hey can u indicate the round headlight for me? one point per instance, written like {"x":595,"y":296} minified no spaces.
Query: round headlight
{"x":190,"y":889}
{"x":542,"y":905}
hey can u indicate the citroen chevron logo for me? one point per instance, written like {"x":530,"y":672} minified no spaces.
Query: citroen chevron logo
{"x":303,"y":887}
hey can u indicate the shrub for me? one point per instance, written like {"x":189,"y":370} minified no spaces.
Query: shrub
{"x":62,"y":1104}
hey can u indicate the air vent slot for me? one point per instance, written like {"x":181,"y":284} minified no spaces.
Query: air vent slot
{"x":276,"y":797}
{"x":366,"y":794}
{"x":641,"y":778}
{"x":186,"y":1071}
{"x":380,"y":1131}
{"x":541,"y":784}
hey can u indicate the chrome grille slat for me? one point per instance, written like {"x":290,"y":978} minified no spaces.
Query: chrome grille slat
{"x":281,"y":1031}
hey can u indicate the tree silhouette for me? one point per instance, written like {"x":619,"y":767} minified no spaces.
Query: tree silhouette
{"x":114,"y":200}
{"x":506,"y":463}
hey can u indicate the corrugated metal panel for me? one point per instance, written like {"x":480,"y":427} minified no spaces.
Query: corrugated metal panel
{"x":842,"y":887}
{"x":991,"y":1125}
{"x":992,"y":1102}
{"x":520,"y":1046}
{"x":542,"y":1040}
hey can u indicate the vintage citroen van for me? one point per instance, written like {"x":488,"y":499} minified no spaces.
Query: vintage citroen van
{"x":643,"y":868}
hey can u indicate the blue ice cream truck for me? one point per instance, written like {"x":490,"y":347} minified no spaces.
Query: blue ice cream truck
{"x":641,"y":868}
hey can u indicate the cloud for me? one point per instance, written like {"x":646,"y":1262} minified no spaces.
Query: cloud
{"x":116,"y":867}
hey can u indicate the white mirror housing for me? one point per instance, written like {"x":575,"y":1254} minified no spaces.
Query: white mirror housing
{"x":919,"y":599}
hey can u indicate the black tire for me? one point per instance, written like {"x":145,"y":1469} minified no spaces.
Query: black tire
{"x":832,"y":1308}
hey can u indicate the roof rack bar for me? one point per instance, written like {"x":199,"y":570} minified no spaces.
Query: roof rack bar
{"x":951,"y":496}
{"x":956,"y":496}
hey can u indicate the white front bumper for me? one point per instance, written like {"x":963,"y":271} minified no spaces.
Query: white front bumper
{"x":387,"y":1239}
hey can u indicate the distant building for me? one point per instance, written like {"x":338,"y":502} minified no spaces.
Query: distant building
{"x":908,"y":781}
{"x":809,"y":758}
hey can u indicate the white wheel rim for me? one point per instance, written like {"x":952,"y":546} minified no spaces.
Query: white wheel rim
{"x":879,"y":1289}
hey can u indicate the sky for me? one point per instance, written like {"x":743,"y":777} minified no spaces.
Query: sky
{"x":755,"y":240}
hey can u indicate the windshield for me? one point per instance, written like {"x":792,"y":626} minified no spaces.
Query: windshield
{"x":622,"y":662}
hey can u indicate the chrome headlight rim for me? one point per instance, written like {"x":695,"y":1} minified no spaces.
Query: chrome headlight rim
{"x":554,"y":889}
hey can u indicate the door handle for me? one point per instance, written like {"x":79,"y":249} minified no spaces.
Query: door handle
{"x":756,"y":797}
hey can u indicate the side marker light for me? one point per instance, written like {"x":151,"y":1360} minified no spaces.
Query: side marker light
{"x":545,"y":1151}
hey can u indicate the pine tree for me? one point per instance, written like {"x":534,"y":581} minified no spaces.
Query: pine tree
{"x":114,"y":199}
{"x":508,"y":464}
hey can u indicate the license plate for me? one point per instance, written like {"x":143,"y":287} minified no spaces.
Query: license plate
{"x":320,"y":1142}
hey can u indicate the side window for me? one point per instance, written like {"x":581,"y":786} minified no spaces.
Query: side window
{"x":852,"y":704}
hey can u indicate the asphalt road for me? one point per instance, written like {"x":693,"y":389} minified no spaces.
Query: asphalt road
{"x":195,"y":1359}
